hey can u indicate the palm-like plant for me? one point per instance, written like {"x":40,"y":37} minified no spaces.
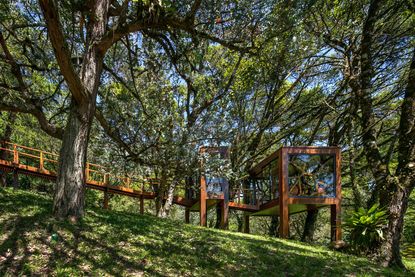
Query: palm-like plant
{"x":366,"y":228}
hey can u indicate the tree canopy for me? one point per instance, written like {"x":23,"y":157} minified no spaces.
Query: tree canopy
{"x":149,"y":82}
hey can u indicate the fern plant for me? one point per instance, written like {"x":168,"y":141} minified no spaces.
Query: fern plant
{"x":366,"y":228}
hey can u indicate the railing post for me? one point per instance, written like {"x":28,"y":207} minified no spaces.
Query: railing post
{"x":106,"y":196}
{"x":41,"y":164}
{"x":106,"y":178}
{"x":142,"y":198}
{"x":87,"y":172}
{"x":15,"y":154}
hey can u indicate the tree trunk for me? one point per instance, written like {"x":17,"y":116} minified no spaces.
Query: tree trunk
{"x":273,"y":228}
{"x":11,"y":118}
{"x":69,"y":193}
{"x":310,"y":226}
{"x":404,"y":182}
{"x":389,"y":253}
{"x":168,"y":201}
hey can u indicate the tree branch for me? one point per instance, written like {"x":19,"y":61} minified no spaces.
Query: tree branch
{"x":63,"y":57}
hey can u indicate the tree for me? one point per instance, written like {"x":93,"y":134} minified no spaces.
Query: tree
{"x":369,"y":45}
{"x":81,"y":35}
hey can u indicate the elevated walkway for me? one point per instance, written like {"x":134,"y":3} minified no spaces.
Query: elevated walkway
{"x":284,"y":192}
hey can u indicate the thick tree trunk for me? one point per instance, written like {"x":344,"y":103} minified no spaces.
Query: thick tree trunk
{"x":69,"y":191}
{"x":11,"y":118}
{"x":389,"y":253}
{"x":310,"y":226}
{"x":404,"y":182}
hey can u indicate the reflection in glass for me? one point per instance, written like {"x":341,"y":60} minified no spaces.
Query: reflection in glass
{"x":311,"y":175}
{"x":266,"y":182}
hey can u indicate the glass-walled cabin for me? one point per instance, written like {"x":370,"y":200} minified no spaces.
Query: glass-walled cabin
{"x":296,"y":179}
{"x":307,"y":172}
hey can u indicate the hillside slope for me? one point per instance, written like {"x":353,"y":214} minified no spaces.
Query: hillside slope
{"x":108,"y":243}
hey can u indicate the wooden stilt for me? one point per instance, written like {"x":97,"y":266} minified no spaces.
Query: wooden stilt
{"x":106,"y":200}
{"x":283,"y":193}
{"x":246,"y":224}
{"x":106,"y":196}
{"x":224,"y":222}
{"x":141,"y":204}
{"x":336,"y":233}
{"x":187,"y":216}
{"x":203,"y":208}
{"x":15,"y":179}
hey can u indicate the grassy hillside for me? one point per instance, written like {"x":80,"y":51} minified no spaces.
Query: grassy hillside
{"x":110,"y":243}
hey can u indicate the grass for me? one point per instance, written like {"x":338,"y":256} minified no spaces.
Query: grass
{"x":109,"y":243}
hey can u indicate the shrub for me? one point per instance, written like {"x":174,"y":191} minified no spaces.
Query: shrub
{"x":366,"y":228}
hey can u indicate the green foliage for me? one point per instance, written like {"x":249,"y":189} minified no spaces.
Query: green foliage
{"x":366,"y":228}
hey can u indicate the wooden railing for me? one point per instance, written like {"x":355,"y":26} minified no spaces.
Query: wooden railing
{"x":243,"y":196}
{"x":46,"y":163}
{"x":29,"y":156}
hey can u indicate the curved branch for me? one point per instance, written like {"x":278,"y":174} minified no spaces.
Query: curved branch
{"x":63,"y":57}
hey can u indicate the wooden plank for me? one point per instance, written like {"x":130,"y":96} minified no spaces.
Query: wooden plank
{"x":312,"y":200}
{"x":243,"y":207}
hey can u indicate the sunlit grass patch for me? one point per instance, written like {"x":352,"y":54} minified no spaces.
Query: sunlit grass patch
{"x":113,"y":243}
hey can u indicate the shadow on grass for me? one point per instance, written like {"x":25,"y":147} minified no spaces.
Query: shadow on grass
{"x":119,"y":243}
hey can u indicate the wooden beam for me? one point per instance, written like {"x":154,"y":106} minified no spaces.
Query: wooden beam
{"x":335,"y":220}
{"x":224,"y":222}
{"x":283,"y":191}
{"x":203,"y":208}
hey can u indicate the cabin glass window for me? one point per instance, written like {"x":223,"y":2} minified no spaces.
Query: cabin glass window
{"x":311,"y":175}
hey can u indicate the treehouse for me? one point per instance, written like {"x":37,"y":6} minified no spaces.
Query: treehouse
{"x":289,"y":181}
{"x":297,"y":179}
